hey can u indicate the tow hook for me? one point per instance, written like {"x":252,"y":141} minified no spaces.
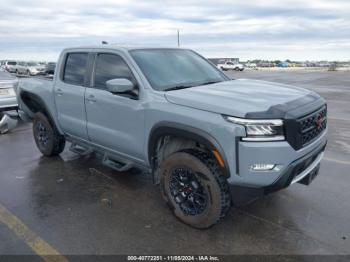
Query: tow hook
{"x":7,"y":122}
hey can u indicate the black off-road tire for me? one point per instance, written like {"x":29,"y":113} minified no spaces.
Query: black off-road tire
{"x":55,"y":142}
{"x":210,"y":176}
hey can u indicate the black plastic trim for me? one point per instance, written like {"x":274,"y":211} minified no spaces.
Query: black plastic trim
{"x":170,"y":128}
{"x":8,"y":108}
{"x":293,"y":109}
{"x":286,"y":178}
{"x":237,"y":153}
{"x":25,"y":95}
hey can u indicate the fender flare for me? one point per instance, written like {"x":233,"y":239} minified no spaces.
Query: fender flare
{"x":25,"y":95}
{"x":184,"y":131}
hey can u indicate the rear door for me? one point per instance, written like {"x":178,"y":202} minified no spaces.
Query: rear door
{"x":69,"y":94}
{"x":114,"y":121}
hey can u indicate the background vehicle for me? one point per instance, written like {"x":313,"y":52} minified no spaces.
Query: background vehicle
{"x":29,"y":68}
{"x":50,"y":68}
{"x":21,"y":68}
{"x":8,"y":100}
{"x":283,"y":64}
{"x":251,"y":65}
{"x":34,"y":68}
{"x":10,"y":66}
{"x":8,"y":87}
{"x":172,"y":112}
{"x":230,"y":66}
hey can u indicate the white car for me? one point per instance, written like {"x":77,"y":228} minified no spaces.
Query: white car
{"x":9,"y":66}
{"x":230,"y":66}
{"x":29,"y":68}
{"x":21,"y":68}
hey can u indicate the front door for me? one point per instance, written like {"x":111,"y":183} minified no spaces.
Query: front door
{"x":114,"y":121}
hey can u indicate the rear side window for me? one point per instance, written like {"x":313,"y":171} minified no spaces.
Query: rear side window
{"x":110,"y":66}
{"x":75,"y":68}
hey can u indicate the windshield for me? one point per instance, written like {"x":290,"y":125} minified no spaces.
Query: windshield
{"x":32,"y":64}
{"x":169,"y":69}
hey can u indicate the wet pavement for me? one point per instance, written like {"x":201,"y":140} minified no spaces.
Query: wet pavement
{"x":79,"y":206}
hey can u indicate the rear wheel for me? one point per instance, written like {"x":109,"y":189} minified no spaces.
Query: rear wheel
{"x":47,"y":138}
{"x":193,"y":186}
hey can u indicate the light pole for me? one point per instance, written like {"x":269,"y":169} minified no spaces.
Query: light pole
{"x":178,"y":38}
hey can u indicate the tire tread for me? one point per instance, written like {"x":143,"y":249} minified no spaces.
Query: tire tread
{"x":59,"y":141}
{"x":209,"y":160}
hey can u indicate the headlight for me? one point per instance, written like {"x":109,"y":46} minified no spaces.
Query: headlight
{"x":260,"y":129}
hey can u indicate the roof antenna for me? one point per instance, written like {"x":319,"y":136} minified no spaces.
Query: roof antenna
{"x":104,"y":42}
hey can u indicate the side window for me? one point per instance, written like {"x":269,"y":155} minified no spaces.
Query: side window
{"x":110,"y":66}
{"x":75,"y":68}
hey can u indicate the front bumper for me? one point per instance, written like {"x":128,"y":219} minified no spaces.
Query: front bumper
{"x":279,"y":153}
{"x":35,"y":73}
{"x":302,"y":169}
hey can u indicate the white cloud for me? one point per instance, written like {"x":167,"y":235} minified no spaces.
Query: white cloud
{"x":314,"y":29}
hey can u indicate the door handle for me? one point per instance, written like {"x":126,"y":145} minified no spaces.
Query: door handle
{"x":59,"y":92}
{"x":91,"y":98}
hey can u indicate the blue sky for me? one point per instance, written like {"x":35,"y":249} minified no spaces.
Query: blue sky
{"x":297,"y":30}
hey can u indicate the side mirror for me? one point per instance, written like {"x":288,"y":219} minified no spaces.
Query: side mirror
{"x":119,"y":86}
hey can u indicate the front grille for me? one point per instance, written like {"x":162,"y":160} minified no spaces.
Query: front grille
{"x":303,"y":131}
{"x":313,"y":125}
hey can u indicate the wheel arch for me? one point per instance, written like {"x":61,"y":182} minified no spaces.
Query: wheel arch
{"x":34,"y":104}
{"x":186,"y":132}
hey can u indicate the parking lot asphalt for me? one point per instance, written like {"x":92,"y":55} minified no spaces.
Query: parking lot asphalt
{"x":77,"y":206}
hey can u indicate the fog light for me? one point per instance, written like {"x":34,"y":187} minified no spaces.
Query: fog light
{"x":262,"y":167}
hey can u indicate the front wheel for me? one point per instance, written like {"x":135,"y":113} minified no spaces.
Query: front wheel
{"x":193,"y":186}
{"x":47,"y":138}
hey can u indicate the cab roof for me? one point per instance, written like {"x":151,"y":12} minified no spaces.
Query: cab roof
{"x":119,"y":47}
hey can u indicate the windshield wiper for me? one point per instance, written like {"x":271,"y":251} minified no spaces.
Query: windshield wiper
{"x":193,"y":85}
{"x":210,"y":82}
{"x":178,"y":87}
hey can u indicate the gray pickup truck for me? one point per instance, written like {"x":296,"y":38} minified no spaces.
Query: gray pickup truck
{"x":171,"y":112}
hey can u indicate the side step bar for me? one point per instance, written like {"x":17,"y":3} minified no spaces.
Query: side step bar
{"x":119,"y":165}
{"x":80,"y":150}
{"x":116,"y":164}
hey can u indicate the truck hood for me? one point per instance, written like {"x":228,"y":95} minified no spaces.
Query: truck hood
{"x":245,"y":98}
